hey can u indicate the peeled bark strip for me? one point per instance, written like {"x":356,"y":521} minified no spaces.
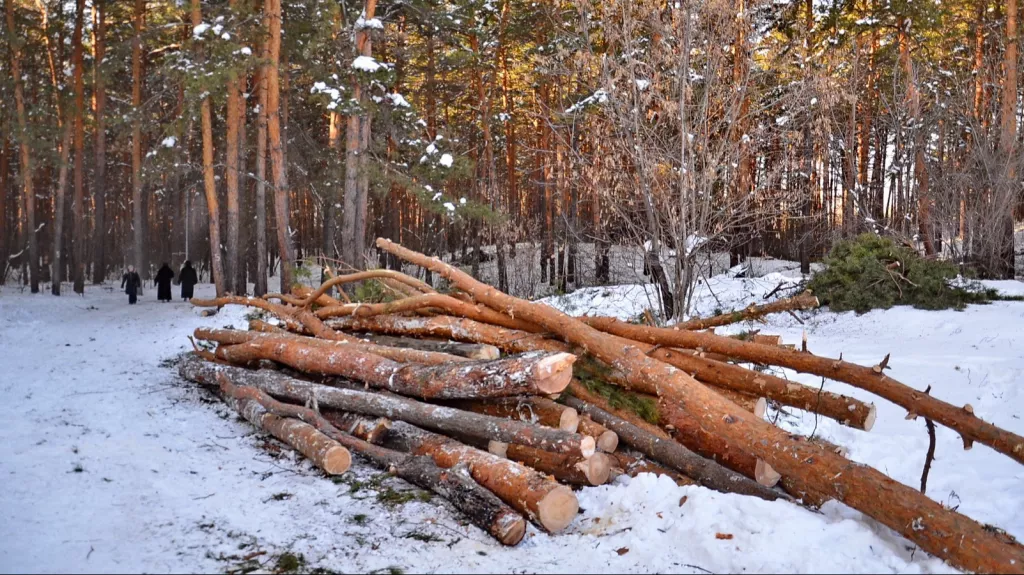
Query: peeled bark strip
{"x":482,"y":507}
{"x":533,"y":409}
{"x":542,"y":500}
{"x":657,"y":445}
{"x":962,"y":421}
{"x":960,"y":540}
{"x":467,"y":350}
{"x":803,"y":301}
{"x":444,"y":419}
{"x":326,"y":453}
{"x":607,"y":440}
{"x":633,"y":463}
{"x":532,"y":373}
{"x":565,"y":468}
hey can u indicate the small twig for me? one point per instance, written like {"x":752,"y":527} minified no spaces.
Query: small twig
{"x":931,"y":449}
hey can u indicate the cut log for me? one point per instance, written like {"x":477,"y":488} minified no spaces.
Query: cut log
{"x":657,"y":445}
{"x":607,"y":440}
{"x":482,"y":507}
{"x":565,"y":468}
{"x":545,"y":502}
{"x":499,"y":448}
{"x":437,"y":417}
{"x":756,"y":405}
{"x":963,"y":422}
{"x":960,"y":540}
{"x":846,"y":410}
{"x":429,"y":301}
{"x":467,"y":350}
{"x":533,"y":409}
{"x":325,"y":452}
{"x":633,"y":463}
{"x":530,"y":373}
{"x":805,"y":300}
{"x":233,"y":337}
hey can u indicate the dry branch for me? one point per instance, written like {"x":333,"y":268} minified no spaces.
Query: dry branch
{"x":803,"y":301}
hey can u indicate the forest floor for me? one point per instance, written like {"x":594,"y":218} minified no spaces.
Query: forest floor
{"x":111,"y":463}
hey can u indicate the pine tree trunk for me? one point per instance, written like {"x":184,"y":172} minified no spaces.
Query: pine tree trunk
{"x":920,"y":167}
{"x":260,"y":288}
{"x":138,"y":226}
{"x":29,"y":198}
{"x":272,"y":18}
{"x":99,"y":269}
{"x":1008,"y":141}
{"x":235,"y":116}
{"x":59,"y":212}
{"x":78,"y":200}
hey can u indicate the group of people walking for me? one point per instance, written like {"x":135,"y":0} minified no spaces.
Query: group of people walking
{"x":131,"y":282}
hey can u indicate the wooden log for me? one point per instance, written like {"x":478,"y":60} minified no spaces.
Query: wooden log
{"x":482,"y":507}
{"x":282,"y":312}
{"x":846,"y":410}
{"x":467,"y":350}
{"x":565,"y":468}
{"x":444,"y":419}
{"x":657,"y":445}
{"x":350,"y":278}
{"x":428,"y":301}
{"x":607,"y":440}
{"x":325,"y":452}
{"x":756,"y":405}
{"x":872,"y":379}
{"x":530,"y":373}
{"x":633,"y":463}
{"x":806,"y":300}
{"x":960,"y":540}
{"x":232,"y":337}
{"x":533,"y":409}
{"x":545,"y":502}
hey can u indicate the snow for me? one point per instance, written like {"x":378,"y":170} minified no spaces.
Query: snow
{"x":372,"y":23}
{"x":366,"y":64}
{"x":198,"y":31}
{"x":171,"y":481}
{"x":398,"y":100}
{"x":169,"y":142}
{"x":446,"y":160}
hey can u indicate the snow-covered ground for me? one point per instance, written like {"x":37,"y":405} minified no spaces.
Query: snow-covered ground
{"x":111,"y":463}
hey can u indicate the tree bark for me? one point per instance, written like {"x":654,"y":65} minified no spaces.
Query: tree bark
{"x":14,"y":45}
{"x":235,"y":116}
{"x":607,"y":440}
{"x":913,"y":102}
{"x":532,"y":409}
{"x":752,"y":312}
{"x":99,"y":192}
{"x":958,"y":539}
{"x":570,"y":469}
{"x":536,"y":373}
{"x":633,"y":463}
{"x":272,"y":20}
{"x":1008,"y":141}
{"x":260,"y":285}
{"x":440,"y":301}
{"x":60,"y":212}
{"x":138,"y":225}
{"x":78,"y":200}
{"x":467,"y":350}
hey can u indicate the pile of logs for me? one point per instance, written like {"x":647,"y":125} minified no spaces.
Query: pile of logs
{"x":502,"y":406}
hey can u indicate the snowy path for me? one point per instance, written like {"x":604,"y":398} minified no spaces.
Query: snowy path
{"x":109,"y":463}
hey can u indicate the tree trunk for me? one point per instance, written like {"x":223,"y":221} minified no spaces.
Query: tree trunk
{"x":467,"y":350}
{"x":606,"y":439}
{"x":942,"y":532}
{"x":752,"y":312}
{"x":272,"y":19}
{"x":138,"y":226}
{"x":260,"y":287}
{"x":60,"y":212}
{"x":570,"y":469}
{"x":632,"y":463}
{"x":14,"y":45}
{"x":532,"y":409}
{"x":235,"y":116}
{"x":78,"y":200}
{"x":1008,"y":141}
{"x":920,"y":167}
{"x":99,"y":191}
{"x":536,"y":373}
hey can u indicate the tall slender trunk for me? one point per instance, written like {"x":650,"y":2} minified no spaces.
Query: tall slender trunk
{"x":357,"y":136}
{"x":234,"y":118}
{"x":272,"y":17}
{"x":14,"y":45}
{"x":867,"y":105}
{"x":138,"y":250}
{"x":5,"y":154}
{"x":806,"y":157}
{"x":920,"y":168}
{"x":212,"y":203}
{"x":260,"y":285}
{"x":1008,"y":141}
{"x":78,"y":200}
{"x":99,"y":269}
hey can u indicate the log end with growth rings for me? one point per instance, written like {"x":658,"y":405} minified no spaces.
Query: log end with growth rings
{"x":588,"y":446}
{"x":765,"y":474}
{"x":557,"y":509}
{"x":569,"y":420}
{"x":553,"y":373}
{"x":337,"y":460}
{"x":760,"y":407}
{"x":509,"y":528}
{"x":597,"y":469}
{"x":869,"y":419}
{"x":608,"y":441}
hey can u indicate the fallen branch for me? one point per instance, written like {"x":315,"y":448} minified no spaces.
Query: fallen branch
{"x":350,"y":278}
{"x":800,"y":302}
{"x":467,"y":350}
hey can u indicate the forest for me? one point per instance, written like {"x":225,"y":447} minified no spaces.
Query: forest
{"x":539,"y":141}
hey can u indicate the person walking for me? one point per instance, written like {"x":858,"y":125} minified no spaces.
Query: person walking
{"x":163,"y":280}
{"x":131,"y":283}
{"x":187,"y":278}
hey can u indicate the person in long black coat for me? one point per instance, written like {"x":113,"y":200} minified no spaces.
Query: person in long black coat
{"x":131,"y":282}
{"x":163,"y":280}
{"x":188,"y":280}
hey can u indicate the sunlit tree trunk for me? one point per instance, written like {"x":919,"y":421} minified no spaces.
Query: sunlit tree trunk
{"x":14,"y":45}
{"x":78,"y":200}
{"x":272,"y":16}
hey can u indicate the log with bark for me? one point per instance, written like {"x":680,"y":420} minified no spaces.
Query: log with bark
{"x":281,"y":311}
{"x":633,"y":463}
{"x":607,"y":440}
{"x":442,"y":302}
{"x":440,"y":418}
{"x":806,"y":300}
{"x":467,"y":350}
{"x":960,"y":540}
{"x":351,"y":278}
{"x":530,"y":373}
{"x":482,"y":507}
{"x":873,"y":379}
{"x":534,"y":409}
{"x":565,"y":468}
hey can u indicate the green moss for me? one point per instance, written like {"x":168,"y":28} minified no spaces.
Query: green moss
{"x":290,"y":563}
{"x":874,"y":272}
{"x":593,"y":376}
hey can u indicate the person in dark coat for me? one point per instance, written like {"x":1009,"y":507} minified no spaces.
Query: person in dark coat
{"x":131,"y":283}
{"x":188,"y":280}
{"x":163,"y":280}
